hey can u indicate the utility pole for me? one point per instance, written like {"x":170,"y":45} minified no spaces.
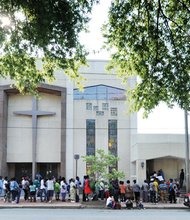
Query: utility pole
{"x":187,"y":152}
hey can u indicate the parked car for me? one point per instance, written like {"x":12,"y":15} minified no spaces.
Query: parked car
{"x":187,"y":199}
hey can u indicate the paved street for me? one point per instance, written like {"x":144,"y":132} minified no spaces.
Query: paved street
{"x":92,"y":214}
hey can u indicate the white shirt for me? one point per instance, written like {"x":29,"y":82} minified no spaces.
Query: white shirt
{"x":42,"y":186}
{"x":50,"y":185}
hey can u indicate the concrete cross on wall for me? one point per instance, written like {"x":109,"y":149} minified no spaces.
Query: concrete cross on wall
{"x":34,"y":113}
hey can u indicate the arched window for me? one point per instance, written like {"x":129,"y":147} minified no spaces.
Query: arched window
{"x":100,"y":92}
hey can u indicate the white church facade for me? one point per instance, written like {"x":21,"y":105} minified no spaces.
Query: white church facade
{"x":50,"y":135}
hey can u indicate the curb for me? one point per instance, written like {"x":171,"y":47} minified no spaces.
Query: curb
{"x":83,"y":206}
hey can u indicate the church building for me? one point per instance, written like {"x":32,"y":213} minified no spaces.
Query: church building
{"x":49,"y":135}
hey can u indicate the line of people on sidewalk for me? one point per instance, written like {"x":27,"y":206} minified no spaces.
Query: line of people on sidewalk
{"x":46,"y":189}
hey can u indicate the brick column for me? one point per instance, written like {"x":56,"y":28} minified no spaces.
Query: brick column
{"x":63,"y":134}
{"x":3,"y":133}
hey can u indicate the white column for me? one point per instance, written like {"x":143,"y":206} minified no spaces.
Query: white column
{"x":141,"y":171}
{"x":69,"y":131}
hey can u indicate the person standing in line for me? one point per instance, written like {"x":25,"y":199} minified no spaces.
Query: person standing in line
{"x":129,"y":191}
{"x":122,"y":188}
{"x":78,"y":186}
{"x":136,"y":190}
{"x":172,"y":192}
{"x":145,"y":189}
{"x":25,"y":187}
{"x":37,"y":184}
{"x":152,"y":191}
{"x":101,"y":189}
{"x":57,"y":190}
{"x":163,"y":188}
{"x":32,"y":188}
{"x":7,"y":195}
{"x":1,"y":185}
{"x":50,"y":189}
{"x":43,"y":191}
{"x":63,"y":192}
{"x":87,"y":190}
{"x":14,"y":188}
{"x":63,"y":189}
{"x":115,"y":185}
{"x":181,"y":178}
{"x":5,"y":182}
{"x":155,"y":185}
{"x":72,"y":190}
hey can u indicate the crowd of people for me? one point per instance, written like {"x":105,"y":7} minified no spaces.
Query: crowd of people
{"x":157,"y":189}
{"x":45,"y":189}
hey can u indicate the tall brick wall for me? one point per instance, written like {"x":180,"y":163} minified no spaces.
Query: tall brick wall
{"x":3,"y":133}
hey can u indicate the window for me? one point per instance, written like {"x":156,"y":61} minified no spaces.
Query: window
{"x":99,"y":113}
{"x":105,"y":106}
{"x":95,"y":108}
{"x":90,"y":137}
{"x":88,"y":106}
{"x":113,"y":111}
{"x":112,"y":139}
{"x":100,"y":92}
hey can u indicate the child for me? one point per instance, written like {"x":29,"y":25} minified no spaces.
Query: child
{"x":32,"y":188}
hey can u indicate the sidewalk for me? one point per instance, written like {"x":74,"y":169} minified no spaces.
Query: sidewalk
{"x":84,"y":205}
{"x":100,"y":204}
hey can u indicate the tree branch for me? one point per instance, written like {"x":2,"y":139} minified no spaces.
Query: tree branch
{"x":184,"y":5}
{"x":168,"y":18}
{"x":171,"y":34}
{"x":157,"y":28}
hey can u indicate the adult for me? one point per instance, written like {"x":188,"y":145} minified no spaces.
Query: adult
{"x":163,"y":188}
{"x":155,"y":185}
{"x":63,"y":185}
{"x":181,"y":178}
{"x":1,"y":185}
{"x":115,"y":185}
{"x":14,"y":188}
{"x":57,"y":190}
{"x":50,"y":189}
{"x":37,"y":184}
{"x":122,"y":188}
{"x":43,"y":190}
{"x":136,"y":190}
{"x":129,"y":191}
{"x":101,"y":189}
{"x":72,"y":190}
{"x":172,"y":191}
{"x":5,"y":182}
{"x":145,"y":191}
{"x":87,"y":190}
{"x":78,"y":186}
{"x":6,"y":187}
{"x":152,"y":191}
{"x":25,"y":187}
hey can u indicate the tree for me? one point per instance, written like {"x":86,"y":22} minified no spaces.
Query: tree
{"x":151,"y":40}
{"x":99,"y":165}
{"x":43,"y":29}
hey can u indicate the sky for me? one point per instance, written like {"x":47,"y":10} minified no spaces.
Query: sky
{"x":94,"y":40}
{"x":162,"y":119}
